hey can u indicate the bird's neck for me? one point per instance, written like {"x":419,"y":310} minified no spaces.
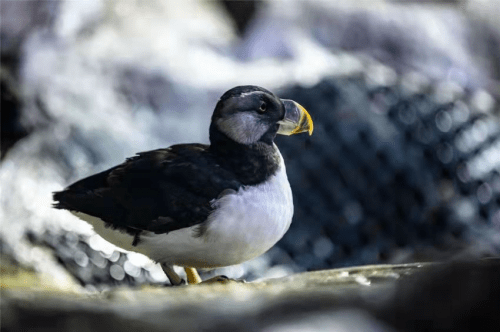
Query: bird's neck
{"x":251,"y":163}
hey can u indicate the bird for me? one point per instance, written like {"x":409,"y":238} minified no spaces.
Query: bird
{"x":200,"y":206}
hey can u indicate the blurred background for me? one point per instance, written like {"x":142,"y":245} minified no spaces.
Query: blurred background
{"x":403,"y":166}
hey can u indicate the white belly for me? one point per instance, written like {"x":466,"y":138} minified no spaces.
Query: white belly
{"x":244,"y":225}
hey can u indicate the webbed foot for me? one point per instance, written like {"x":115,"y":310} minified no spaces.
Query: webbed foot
{"x":222,"y":280}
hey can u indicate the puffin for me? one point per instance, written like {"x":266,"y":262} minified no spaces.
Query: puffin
{"x":200,"y":206}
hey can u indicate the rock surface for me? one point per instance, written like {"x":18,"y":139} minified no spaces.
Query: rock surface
{"x":409,"y":297}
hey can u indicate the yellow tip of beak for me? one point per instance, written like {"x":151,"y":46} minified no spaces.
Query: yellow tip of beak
{"x":296,"y":119}
{"x":305,"y":122}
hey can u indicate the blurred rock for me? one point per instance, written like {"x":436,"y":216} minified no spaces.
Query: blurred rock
{"x":242,"y":12}
{"x":455,"y":297}
{"x":238,"y":307}
{"x":462,"y":296}
{"x":18,"y":20}
{"x":12,"y":129}
{"x":17,"y":275}
{"x":453,"y":40}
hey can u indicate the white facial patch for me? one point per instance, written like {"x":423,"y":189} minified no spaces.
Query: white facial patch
{"x":244,"y":128}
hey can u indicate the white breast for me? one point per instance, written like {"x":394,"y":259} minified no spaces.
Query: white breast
{"x":247,"y":223}
{"x":244,"y":225}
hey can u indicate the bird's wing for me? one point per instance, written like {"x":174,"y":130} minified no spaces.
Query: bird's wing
{"x":160,"y":191}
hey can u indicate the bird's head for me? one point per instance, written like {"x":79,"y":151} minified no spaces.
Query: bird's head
{"x":249,"y":114}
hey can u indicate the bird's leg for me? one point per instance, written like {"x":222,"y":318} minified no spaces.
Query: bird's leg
{"x":192,"y":275}
{"x":174,"y":278}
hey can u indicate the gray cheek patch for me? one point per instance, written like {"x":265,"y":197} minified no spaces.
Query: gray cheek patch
{"x":244,"y":128}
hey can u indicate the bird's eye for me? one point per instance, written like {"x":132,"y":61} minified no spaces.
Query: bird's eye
{"x":262,"y":107}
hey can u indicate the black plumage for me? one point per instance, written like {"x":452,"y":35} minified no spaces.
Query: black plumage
{"x":167,"y":189}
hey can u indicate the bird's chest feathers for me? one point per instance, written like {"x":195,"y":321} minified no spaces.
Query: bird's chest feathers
{"x":253,"y":219}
